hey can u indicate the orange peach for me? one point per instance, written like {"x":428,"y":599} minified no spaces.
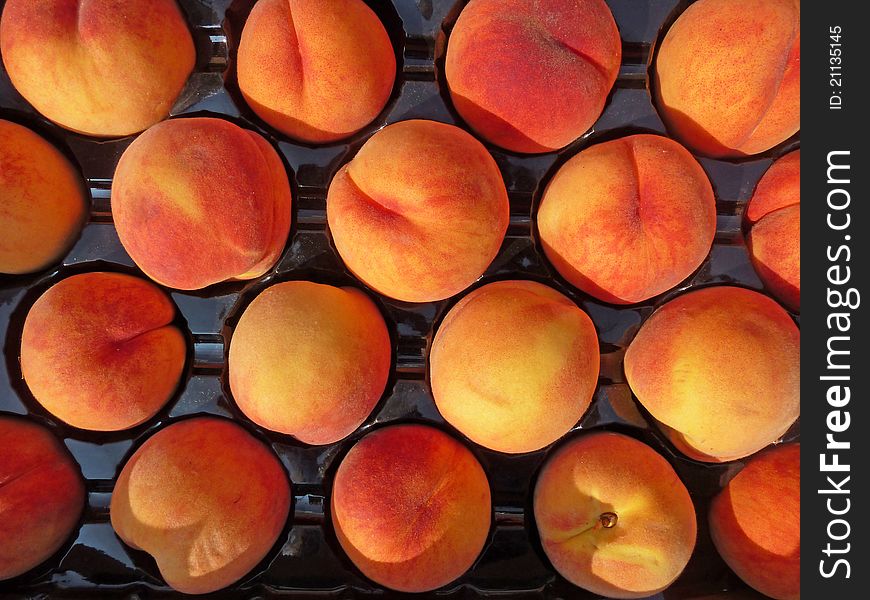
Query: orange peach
{"x":411,"y":507}
{"x":206,"y":499}
{"x":102,"y":67}
{"x":420,"y":212}
{"x":774,"y":239}
{"x":43,"y":201}
{"x":613,"y":516}
{"x":100,"y":352}
{"x":341,"y":355}
{"x":532,"y":77}
{"x":42,"y":496}
{"x":514,"y":365}
{"x":727,"y":76}
{"x":755,"y":522}
{"x":628,"y":219}
{"x":200,"y":201}
{"x":719,"y":369}
{"x":299,"y":63}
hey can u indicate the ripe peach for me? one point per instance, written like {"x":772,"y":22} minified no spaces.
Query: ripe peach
{"x":728,"y":75}
{"x":300,"y":62}
{"x":44,"y":204}
{"x":755,"y":522}
{"x":206,"y":499}
{"x":103,"y":68}
{"x":511,"y":62}
{"x":341,"y":355}
{"x":613,"y":516}
{"x":528,"y":389}
{"x":100,"y":352}
{"x":628,"y":219}
{"x":42,"y":495}
{"x":719,"y":369}
{"x":199,"y":201}
{"x":774,"y":240}
{"x":420,"y":212}
{"x":411,"y":507}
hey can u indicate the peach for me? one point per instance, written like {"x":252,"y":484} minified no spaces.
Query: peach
{"x":102,"y":67}
{"x":42,"y":496}
{"x":514,"y":365}
{"x":200,"y":201}
{"x":532,"y":77}
{"x":420,"y":211}
{"x":613,"y":516}
{"x":628,"y":219}
{"x":774,"y":240}
{"x":727,"y":76}
{"x":341,"y":357}
{"x":755,"y":522}
{"x":411,"y":507}
{"x":206,"y":499}
{"x":719,"y":369}
{"x":100,"y":351}
{"x":44,"y":204}
{"x":300,"y":61}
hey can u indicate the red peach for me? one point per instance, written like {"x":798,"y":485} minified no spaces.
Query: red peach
{"x":411,"y":507}
{"x":42,"y":496}
{"x":755,"y":522}
{"x":98,"y":67}
{"x":100,"y":351}
{"x":206,"y":499}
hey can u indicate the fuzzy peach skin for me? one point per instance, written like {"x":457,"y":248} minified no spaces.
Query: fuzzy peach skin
{"x":779,"y":187}
{"x":200,"y":201}
{"x":105,"y":68}
{"x":206,"y":499}
{"x":514,"y":365}
{"x":755,"y":522}
{"x":727,"y":76}
{"x":510,"y":62}
{"x":341,"y":356}
{"x":411,"y":507}
{"x":42,"y":201}
{"x":100,"y":352}
{"x":42,"y":496}
{"x":613,"y":516}
{"x":316,"y":70}
{"x":774,"y":215}
{"x":628,"y":219}
{"x":719,"y":369}
{"x":420,"y":212}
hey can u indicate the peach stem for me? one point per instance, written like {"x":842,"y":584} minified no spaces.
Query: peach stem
{"x":608,"y":520}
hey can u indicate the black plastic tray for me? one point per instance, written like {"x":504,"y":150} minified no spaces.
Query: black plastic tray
{"x":307,"y":560}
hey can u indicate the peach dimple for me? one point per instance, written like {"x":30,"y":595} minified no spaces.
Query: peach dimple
{"x":628,"y":219}
{"x":43,"y":202}
{"x":613,"y":516}
{"x":528,"y":389}
{"x":41,"y":496}
{"x":206,"y":499}
{"x":300,"y":61}
{"x":420,"y":212}
{"x":511,"y":61}
{"x":198,"y":201}
{"x":341,"y":360}
{"x":411,"y":507}
{"x":719,"y":369}
{"x":98,"y":67}
{"x":728,"y":75}
{"x":100,"y":352}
